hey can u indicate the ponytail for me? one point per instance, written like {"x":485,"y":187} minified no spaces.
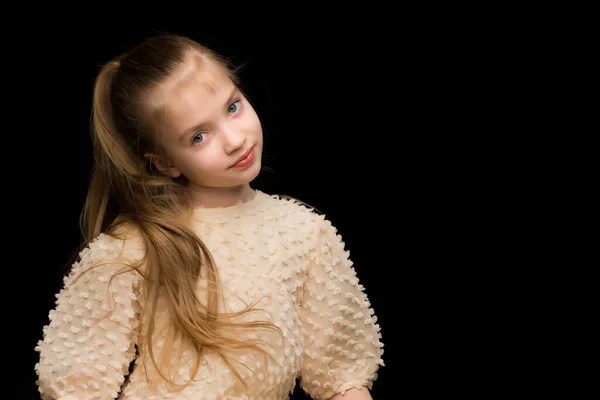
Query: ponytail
{"x":110,"y":154}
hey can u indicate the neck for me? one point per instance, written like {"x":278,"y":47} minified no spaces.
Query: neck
{"x":220,"y":197}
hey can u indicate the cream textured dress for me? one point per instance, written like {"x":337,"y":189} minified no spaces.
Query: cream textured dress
{"x":268,"y":247}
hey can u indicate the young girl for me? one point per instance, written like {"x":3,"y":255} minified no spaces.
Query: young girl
{"x":191,"y":284}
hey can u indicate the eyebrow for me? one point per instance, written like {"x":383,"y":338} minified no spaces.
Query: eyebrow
{"x":197,"y":127}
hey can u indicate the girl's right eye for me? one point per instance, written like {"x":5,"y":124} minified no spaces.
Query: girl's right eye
{"x":198,"y":138}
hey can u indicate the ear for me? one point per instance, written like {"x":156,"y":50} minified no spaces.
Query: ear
{"x":163,"y":164}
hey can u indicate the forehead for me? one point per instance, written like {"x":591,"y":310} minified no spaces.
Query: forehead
{"x":191,"y":94}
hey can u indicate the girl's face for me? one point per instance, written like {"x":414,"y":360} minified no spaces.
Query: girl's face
{"x":206,"y":127}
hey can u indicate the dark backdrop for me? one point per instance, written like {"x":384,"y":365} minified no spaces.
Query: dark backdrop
{"x":419,"y":133}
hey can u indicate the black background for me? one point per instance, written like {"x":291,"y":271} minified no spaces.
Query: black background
{"x":417,"y":132}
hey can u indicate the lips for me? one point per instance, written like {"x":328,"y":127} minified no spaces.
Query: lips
{"x":243,"y":156}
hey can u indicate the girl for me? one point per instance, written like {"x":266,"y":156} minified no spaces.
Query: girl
{"x":191,"y":284}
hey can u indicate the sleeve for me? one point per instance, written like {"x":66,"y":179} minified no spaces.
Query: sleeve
{"x":84,"y":355}
{"x":342,"y":347}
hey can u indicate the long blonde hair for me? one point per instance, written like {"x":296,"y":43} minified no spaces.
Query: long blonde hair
{"x":125,"y":191}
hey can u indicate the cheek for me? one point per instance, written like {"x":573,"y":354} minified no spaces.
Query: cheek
{"x":251,"y":120}
{"x":254,"y":124}
{"x":191,"y":162}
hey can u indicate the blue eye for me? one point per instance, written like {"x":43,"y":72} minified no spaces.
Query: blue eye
{"x":234,"y":106}
{"x":195,"y":138}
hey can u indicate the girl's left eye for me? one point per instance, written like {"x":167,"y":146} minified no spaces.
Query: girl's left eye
{"x":234,"y":106}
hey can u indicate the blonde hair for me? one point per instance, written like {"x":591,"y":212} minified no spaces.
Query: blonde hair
{"x":125,"y":191}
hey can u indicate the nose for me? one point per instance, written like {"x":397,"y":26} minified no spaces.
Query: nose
{"x":233,"y":140}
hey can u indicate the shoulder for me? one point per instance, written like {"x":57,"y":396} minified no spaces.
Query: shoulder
{"x":281,"y":205}
{"x":304,"y":218}
{"x":110,"y":252}
{"x":313,"y":228}
{"x":123,"y":243}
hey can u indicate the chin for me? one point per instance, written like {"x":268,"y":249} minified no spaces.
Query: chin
{"x":253,"y":171}
{"x":247,"y":175}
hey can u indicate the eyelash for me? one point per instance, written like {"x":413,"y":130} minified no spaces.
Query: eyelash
{"x":237,"y":101}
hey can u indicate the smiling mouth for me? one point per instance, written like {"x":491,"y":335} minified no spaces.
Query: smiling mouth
{"x":245,"y":158}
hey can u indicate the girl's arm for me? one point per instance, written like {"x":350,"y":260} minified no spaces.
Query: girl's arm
{"x":342,"y":346}
{"x":83,"y":355}
{"x":353,"y":394}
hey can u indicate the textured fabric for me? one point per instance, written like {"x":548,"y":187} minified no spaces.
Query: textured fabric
{"x":270,"y":248}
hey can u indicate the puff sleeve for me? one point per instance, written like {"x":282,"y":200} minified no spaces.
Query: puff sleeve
{"x":83,"y":355}
{"x":342,"y":347}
